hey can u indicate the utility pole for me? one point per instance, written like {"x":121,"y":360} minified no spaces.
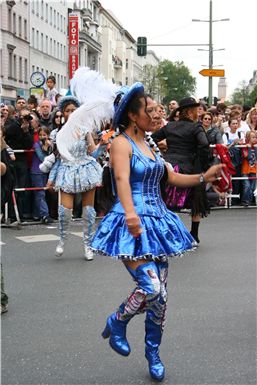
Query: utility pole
{"x":210,"y":50}
{"x":210,"y":53}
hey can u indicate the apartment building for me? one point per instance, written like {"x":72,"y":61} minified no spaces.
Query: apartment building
{"x":48,"y":39}
{"x":14,"y":49}
{"x":34,"y":37}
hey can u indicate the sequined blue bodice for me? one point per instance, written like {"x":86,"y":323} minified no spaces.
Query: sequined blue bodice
{"x":79,"y":149}
{"x":145,"y":176}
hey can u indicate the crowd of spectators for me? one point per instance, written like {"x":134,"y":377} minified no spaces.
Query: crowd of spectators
{"x":32,"y":125}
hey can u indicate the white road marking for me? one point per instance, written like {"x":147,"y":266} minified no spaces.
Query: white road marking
{"x":38,"y":238}
{"x":78,"y":234}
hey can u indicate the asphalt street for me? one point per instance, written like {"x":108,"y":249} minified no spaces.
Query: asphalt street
{"x":51,"y":334}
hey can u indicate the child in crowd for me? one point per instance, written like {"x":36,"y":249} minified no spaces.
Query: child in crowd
{"x":249,"y":167}
{"x":42,"y":148}
{"x":51,"y":90}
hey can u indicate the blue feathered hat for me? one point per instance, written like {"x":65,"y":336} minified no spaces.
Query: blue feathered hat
{"x":68,"y":99}
{"x":124,"y":95}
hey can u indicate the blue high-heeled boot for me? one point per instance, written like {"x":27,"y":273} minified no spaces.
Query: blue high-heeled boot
{"x":153,"y":336}
{"x":115,"y":330}
{"x":148,"y":288}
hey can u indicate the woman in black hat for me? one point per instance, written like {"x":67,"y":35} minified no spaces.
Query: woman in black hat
{"x":139,"y":229}
{"x":188,"y":152}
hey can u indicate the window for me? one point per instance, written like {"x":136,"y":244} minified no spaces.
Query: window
{"x":42,"y":9}
{"x":19,"y":26}
{"x":14,"y":67}
{"x":46,"y":12}
{"x":33,"y":37}
{"x":58,"y":49}
{"x":54,"y":53}
{"x":10,"y":63}
{"x":20,"y":69}
{"x":37,"y":41}
{"x":61,"y":23}
{"x":25,"y":30}
{"x":33,"y":69}
{"x":51,"y":16}
{"x":42,"y":42}
{"x":47,"y":44}
{"x":9,"y":19}
{"x":14,"y":23}
{"x":54,"y":18}
{"x":26,"y":70}
{"x":1,"y":62}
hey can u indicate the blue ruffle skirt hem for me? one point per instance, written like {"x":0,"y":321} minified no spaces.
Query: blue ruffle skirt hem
{"x":161,"y":238}
{"x":78,"y":178}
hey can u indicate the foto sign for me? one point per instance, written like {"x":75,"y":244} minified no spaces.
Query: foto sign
{"x":73,"y":43}
{"x":213,"y":72}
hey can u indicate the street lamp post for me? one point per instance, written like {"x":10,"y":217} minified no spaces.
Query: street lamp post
{"x":210,"y":50}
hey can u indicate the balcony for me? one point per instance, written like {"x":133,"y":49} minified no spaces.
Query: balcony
{"x":117,"y":62}
{"x":86,"y":14}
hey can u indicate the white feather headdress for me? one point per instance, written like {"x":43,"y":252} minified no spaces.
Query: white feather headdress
{"x":96,"y":96}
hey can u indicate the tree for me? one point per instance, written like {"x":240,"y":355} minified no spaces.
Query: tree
{"x":150,"y":80}
{"x":253,"y":95}
{"x":175,"y":81}
{"x":241,"y":94}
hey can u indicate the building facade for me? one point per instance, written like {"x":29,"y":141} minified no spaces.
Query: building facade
{"x":34,"y":37}
{"x":48,"y":39}
{"x":14,"y":50}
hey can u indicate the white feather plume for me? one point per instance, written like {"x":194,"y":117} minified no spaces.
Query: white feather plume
{"x":96,"y":96}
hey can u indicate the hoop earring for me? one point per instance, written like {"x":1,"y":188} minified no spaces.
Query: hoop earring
{"x":135,"y":128}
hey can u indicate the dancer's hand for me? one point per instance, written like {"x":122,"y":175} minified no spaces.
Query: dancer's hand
{"x":134,"y":224}
{"x":50,"y":185}
{"x":213,"y":173}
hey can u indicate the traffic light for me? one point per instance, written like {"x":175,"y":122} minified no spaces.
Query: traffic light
{"x":215,"y":100}
{"x":206,"y":99}
{"x":141,"y":46}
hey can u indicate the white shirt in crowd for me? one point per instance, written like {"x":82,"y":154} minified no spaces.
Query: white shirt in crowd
{"x":229,"y":137}
{"x":243,"y":127}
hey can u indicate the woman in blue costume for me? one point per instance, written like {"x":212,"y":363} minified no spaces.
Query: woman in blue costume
{"x":139,"y":229}
{"x":77,"y":171}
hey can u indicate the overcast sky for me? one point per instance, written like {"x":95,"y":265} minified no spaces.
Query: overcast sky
{"x":170,"y":21}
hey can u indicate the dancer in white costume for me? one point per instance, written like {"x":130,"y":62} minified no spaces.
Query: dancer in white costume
{"x":78,"y":171}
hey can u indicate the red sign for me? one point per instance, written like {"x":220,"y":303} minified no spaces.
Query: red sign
{"x":73,"y":44}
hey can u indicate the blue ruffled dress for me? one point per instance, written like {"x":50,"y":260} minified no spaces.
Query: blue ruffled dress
{"x":164,"y":234}
{"x":80,"y":175}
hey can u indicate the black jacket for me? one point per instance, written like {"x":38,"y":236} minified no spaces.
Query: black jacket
{"x":17,"y":139}
{"x":187,"y":146}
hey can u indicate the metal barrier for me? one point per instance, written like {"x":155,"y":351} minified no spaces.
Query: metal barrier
{"x":228,"y":196}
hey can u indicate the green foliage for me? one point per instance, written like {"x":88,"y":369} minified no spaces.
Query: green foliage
{"x":175,"y":80}
{"x":242,"y":95}
{"x":253,"y":95}
{"x":150,"y":80}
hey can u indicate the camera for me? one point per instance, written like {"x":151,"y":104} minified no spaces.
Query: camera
{"x":25,"y":118}
{"x":28,"y":118}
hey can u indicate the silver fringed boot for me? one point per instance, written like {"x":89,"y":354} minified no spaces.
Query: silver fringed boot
{"x":88,"y":215}
{"x":64,"y":224}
